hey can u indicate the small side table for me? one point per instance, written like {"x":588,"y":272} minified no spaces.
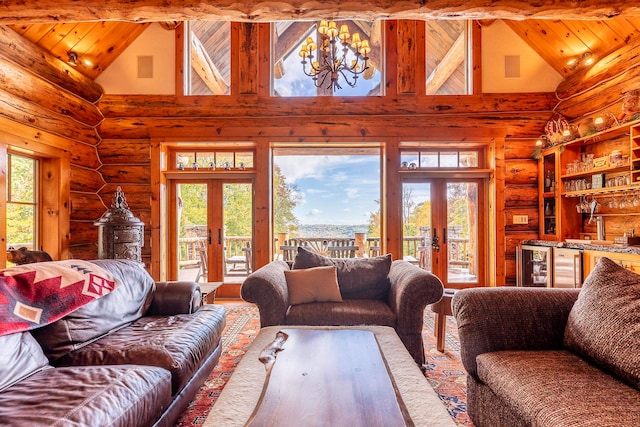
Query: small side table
{"x":442,"y":309}
{"x":208,"y":291}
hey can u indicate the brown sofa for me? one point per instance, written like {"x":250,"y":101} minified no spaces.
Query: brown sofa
{"x":374,"y":291}
{"x":553,"y":357}
{"x":134,"y":357}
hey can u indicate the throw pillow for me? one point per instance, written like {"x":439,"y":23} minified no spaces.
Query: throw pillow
{"x":317,"y":284}
{"x":358,"y":278}
{"x":604,"y":324}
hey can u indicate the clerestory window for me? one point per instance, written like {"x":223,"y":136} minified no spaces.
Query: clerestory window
{"x":290,"y":77}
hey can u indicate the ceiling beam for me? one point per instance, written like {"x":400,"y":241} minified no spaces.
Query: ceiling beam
{"x":205,"y":68}
{"x":55,"y":11}
{"x":446,"y":67}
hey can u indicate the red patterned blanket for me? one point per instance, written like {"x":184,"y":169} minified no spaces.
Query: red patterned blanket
{"x":35,"y":295}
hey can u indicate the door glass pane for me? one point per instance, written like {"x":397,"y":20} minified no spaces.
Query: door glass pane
{"x":238,"y":229}
{"x":327,"y":202}
{"x":462,"y":232}
{"x":191,"y":213}
{"x":416,"y":220}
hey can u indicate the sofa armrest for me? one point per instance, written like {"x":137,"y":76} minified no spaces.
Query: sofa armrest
{"x":508,"y":318}
{"x":267,"y":288}
{"x":412,"y":289}
{"x":175,"y":298}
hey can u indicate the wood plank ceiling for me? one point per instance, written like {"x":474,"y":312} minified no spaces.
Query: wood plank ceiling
{"x":97,"y":44}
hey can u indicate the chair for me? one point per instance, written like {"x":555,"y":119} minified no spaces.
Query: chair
{"x":238,"y":265}
{"x":202,"y":262}
{"x":375,"y":291}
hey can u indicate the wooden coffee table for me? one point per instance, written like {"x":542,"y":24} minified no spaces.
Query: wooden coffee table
{"x":327,"y":375}
{"x":315,"y":387}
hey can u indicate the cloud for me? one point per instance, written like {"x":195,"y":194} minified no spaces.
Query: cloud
{"x":352,"y":192}
{"x":314,"y":212}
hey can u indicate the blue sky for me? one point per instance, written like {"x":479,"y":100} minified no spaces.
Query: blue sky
{"x":333,"y":189}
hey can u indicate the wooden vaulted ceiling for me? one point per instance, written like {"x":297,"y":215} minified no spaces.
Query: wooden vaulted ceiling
{"x":98,"y":44}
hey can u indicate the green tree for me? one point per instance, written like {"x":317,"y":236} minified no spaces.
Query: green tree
{"x":285,"y":199}
{"x":21,"y":201}
{"x":373,"y":227}
{"x":237,"y":212}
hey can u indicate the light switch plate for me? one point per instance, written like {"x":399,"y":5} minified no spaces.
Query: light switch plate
{"x":521,"y":219}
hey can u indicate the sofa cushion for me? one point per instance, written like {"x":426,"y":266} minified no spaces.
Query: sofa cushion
{"x":556,"y":388}
{"x":125,"y":304}
{"x":114,"y":396}
{"x":20,"y":356}
{"x":359,"y":278}
{"x":316,"y":284}
{"x":349,"y":312}
{"x":604,"y":323}
{"x":178,"y":344}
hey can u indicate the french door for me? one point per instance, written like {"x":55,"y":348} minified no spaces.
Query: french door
{"x":444,"y":228}
{"x":211,"y":230}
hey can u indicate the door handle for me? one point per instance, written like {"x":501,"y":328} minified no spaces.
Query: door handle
{"x":435,"y":240}
{"x":444,"y":235}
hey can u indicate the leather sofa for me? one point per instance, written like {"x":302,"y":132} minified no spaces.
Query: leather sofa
{"x":553,"y":357}
{"x":372,"y":291}
{"x":134,"y":357}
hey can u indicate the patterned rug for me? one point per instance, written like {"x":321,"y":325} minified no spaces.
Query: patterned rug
{"x":443,"y":370}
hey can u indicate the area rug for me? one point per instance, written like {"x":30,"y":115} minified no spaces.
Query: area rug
{"x":443,"y":370}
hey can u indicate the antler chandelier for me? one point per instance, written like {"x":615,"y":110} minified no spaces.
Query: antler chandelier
{"x":333,"y":62}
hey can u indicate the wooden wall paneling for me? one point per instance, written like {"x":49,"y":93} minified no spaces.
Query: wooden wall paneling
{"x":262,"y":197}
{"x":406,"y":51}
{"x":476,"y":57}
{"x":30,"y":114}
{"x":128,"y":106}
{"x":40,"y":11}
{"x":521,"y":171}
{"x":31,"y":88}
{"x":158,"y":222}
{"x":264,"y":60}
{"x":126,"y":173}
{"x":520,"y":195}
{"x":86,"y":179}
{"x":27,"y":55}
{"x":3,"y":201}
{"x":606,"y":95}
{"x":138,"y":196}
{"x":447,"y":127}
{"x":604,"y":69}
{"x":50,"y":236}
{"x":497,"y":202}
{"x":85,"y":250}
{"x":392,"y":197}
{"x":390,"y":29}
{"x":248,"y":42}
{"x":180,"y":38}
{"x":124,"y":151}
{"x":84,"y":231}
{"x":86,"y":206}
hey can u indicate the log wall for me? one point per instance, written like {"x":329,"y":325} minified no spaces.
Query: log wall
{"x":115,"y":150}
{"x":49,"y":109}
{"x":405,"y":114}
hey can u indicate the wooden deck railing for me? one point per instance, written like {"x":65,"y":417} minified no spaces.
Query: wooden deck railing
{"x":413,"y":247}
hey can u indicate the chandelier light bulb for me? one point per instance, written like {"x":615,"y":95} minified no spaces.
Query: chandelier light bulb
{"x":333,"y":61}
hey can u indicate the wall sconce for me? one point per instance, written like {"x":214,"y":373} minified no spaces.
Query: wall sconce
{"x":587,"y":59}
{"x":72,"y":58}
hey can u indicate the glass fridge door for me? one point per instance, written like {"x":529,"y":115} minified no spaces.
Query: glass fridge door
{"x":534,"y":266}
